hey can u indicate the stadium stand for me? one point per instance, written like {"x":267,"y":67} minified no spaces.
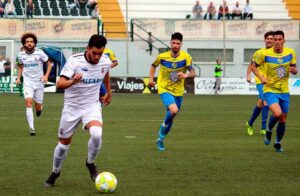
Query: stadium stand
{"x":176,"y":9}
{"x":117,"y":10}
{"x":53,"y":8}
{"x":294,"y":8}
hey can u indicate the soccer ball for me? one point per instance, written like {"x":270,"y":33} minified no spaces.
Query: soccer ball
{"x":106,"y":182}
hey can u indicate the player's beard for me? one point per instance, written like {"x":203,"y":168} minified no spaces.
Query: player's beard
{"x":90,"y":59}
{"x":175,"y":51}
{"x":29,"y":50}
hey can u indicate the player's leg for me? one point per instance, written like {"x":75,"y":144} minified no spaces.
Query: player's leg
{"x":273,"y":103}
{"x":38,"y":98}
{"x":94,"y":146}
{"x":264,"y":117}
{"x":178,"y":101}
{"x":256,"y":111}
{"x":172,"y":110}
{"x":284,"y":103}
{"x":264,"y":111}
{"x":28,"y":95}
{"x":92,"y":121}
{"x":66,"y":129}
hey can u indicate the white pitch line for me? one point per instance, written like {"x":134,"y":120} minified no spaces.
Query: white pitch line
{"x":130,"y":137}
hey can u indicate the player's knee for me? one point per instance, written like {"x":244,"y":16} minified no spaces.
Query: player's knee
{"x":63,"y":146}
{"x":282,"y":118}
{"x":61,"y":149}
{"x":96,"y":133}
{"x":277,"y":114}
{"x":174,"y":111}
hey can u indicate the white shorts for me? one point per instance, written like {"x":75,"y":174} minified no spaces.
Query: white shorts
{"x":34,"y":92}
{"x":71,"y":119}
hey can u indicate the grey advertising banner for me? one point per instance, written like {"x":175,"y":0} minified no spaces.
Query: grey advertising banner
{"x":141,"y":85}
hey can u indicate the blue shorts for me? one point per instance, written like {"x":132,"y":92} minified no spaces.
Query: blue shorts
{"x":283,"y":99}
{"x":168,"y":99}
{"x":260,"y":88}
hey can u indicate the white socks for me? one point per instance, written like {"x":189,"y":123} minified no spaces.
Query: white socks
{"x":94,"y":143}
{"x":60,"y":153}
{"x":29,"y":115}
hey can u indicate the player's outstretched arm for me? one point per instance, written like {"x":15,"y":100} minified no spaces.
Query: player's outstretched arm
{"x":65,"y":82}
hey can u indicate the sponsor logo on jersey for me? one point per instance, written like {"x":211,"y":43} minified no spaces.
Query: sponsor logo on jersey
{"x":91,"y":80}
{"x":31,"y":65}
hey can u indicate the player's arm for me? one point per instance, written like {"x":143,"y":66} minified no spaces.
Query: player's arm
{"x":114,"y":64}
{"x":65,"y":82}
{"x":151,"y":75}
{"x":20,"y":71}
{"x":191,"y":73}
{"x":249,"y":69}
{"x":190,"y":68}
{"x":108,"y":96}
{"x":258,"y":60}
{"x":46,"y":76}
{"x":293,"y":68}
{"x":255,"y":71}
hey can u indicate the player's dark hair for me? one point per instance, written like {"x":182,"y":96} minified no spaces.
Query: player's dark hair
{"x":177,"y":36}
{"x":279,"y":32}
{"x":267,"y":34}
{"x":97,"y":41}
{"x":28,"y":35}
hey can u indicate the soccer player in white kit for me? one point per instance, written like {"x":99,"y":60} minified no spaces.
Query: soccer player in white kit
{"x":81,"y":77}
{"x":31,"y":62}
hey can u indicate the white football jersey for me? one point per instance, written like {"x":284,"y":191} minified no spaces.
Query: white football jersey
{"x":86,"y":92}
{"x":32,"y":65}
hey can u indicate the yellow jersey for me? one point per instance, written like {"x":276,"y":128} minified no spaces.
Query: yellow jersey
{"x":277,"y":67}
{"x":167,"y":80}
{"x":110,"y":54}
{"x":261,"y":68}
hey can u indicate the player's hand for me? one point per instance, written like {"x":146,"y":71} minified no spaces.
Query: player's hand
{"x":293,"y":70}
{"x":18,"y":81}
{"x":152,"y":83}
{"x":182,"y":75}
{"x":106,"y":99}
{"x":248,"y":79}
{"x":44,"y":79}
{"x":76,"y":78}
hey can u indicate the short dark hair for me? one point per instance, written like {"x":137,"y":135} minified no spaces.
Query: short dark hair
{"x":268,"y":34}
{"x":97,"y":41}
{"x":28,"y":35}
{"x":177,"y":35}
{"x":279,"y":32}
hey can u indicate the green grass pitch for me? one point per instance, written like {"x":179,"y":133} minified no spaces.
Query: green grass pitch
{"x":208,"y":151}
